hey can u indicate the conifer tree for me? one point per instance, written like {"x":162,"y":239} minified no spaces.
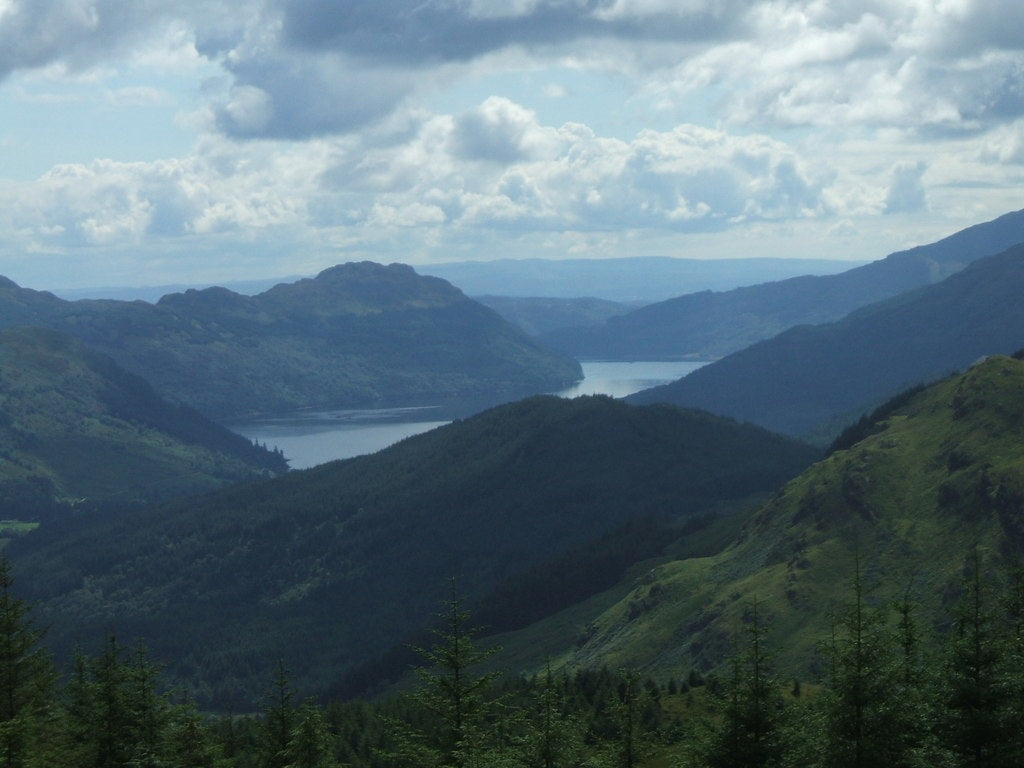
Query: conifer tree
{"x":279,"y":719}
{"x":633,"y":713}
{"x":1014,"y":668}
{"x":148,"y":711}
{"x":26,"y":681}
{"x":111,"y":724}
{"x":553,"y":737}
{"x":189,"y":741}
{"x":311,"y":744}
{"x":863,"y":713}
{"x":114,"y":714}
{"x":452,"y":691}
{"x":750,"y":731}
{"x":976,"y":701}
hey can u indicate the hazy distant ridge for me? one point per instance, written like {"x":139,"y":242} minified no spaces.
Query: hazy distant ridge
{"x":641,"y":279}
{"x":709,"y":325}
{"x":814,"y":379}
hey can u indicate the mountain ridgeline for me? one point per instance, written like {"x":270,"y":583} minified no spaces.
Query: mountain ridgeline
{"x":352,"y":556}
{"x":813,"y":380}
{"x":357,"y":335}
{"x":629,"y":280}
{"x":708,"y":325}
{"x":76,"y":429}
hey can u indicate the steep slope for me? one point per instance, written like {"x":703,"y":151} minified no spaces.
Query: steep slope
{"x":356,"y":335}
{"x":941,"y":473}
{"x":811,"y":380}
{"x":355,"y":556}
{"x":708,"y":325}
{"x":74,"y":428}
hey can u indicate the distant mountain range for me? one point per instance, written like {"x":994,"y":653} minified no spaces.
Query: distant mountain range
{"x":539,"y":316}
{"x":813,"y":380}
{"x":76,"y":430}
{"x":354,"y":556}
{"x":356,"y":335}
{"x":707,"y":325}
{"x":636,"y":279}
{"x":628,"y":281}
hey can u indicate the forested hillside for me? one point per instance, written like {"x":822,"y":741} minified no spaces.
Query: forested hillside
{"x":356,"y":335}
{"x":939,"y":473}
{"x":708,"y":325}
{"x":351,"y":556}
{"x":868,"y":615}
{"x":77,"y":431}
{"x":813,"y":380}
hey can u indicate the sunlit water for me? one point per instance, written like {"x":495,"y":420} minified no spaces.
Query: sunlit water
{"x":314,"y":437}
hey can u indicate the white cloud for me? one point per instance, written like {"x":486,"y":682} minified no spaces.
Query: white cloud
{"x":501,"y":131}
{"x":318,"y":121}
{"x":248,"y":110}
{"x":906,"y":192}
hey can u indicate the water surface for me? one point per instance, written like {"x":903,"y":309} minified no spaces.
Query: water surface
{"x":308,"y":438}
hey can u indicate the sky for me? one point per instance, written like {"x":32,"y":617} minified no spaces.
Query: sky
{"x":153,"y":142}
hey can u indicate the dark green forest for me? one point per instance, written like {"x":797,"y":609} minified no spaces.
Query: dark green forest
{"x":542,"y":502}
{"x":893,"y":692}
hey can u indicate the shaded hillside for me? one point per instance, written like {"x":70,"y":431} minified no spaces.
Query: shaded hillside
{"x":628,"y":279}
{"x":356,"y":335}
{"x":354,"y":556}
{"x":74,"y":428}
{"x":811,"y":380}
{"x":707,"y":325}
{"x":942,"y":473}
{"x":537,"y":316}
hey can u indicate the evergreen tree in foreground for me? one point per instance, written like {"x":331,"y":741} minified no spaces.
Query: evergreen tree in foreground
{"x":749,"y":736}
{"x":975,"y":706}
{"x":26,"y":682}
{"x":451,"y":693}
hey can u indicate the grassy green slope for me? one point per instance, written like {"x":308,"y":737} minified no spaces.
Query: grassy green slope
{"x":944,"y":472}
{"x":75,"y":427}
{"x":354,"y":556}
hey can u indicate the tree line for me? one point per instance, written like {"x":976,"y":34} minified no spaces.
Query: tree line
{"x":892,"y":692}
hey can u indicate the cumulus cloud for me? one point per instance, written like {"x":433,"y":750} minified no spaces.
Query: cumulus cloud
{"x":303,"y":97}
{"x":108,"y":202}
{"x":494,"y":167}
{"x":324,"y":117}
{"x":500,"y":131}
{"x":906,"y":192}
{"x":542,"y":177}
{"x":845,"y":65}
{"x":325,"y":67}
{"x":79,"y":34}
{"x":439,"y":30}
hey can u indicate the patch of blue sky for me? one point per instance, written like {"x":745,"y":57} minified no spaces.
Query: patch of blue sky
{"x":48,"y":123}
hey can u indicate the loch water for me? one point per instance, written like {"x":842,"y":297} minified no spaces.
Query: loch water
{"x":308,"y":438}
